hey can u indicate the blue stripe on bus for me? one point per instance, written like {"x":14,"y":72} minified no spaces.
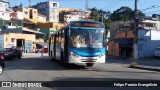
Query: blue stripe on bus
{"x":88,"y":52}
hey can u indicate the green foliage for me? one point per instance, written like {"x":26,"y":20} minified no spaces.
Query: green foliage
{"x":123,"y":13}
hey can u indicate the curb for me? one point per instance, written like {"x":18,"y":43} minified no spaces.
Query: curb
{"x":145,"y":68}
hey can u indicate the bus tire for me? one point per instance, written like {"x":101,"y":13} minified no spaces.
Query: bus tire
{"x":89,"y":64}
{"x":64,"y":64}
{"x":62,"y":59}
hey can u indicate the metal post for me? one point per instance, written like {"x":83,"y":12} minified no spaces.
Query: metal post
{"x":135,"y":32}
{"x":102,"y":17}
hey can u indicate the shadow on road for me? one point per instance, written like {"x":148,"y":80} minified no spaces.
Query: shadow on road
{"x":45,"y":63}
{"x":40,"y":63}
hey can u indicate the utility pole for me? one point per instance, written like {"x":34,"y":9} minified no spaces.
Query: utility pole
{"x":102,"y":17}
{"x":136,"y":31}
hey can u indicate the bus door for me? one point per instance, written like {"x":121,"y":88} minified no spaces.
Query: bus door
{"x":58,"y":52}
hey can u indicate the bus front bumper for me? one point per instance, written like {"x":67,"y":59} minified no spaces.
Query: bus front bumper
{"x":78,"y":59}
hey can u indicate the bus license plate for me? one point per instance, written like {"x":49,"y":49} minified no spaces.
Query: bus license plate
{"x":89,"y":59}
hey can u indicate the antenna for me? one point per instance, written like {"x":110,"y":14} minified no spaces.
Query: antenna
{"x":86,"y":4}
{"x":29,"y":3}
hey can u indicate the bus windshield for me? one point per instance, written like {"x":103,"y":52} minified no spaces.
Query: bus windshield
{"x":86,"y":38}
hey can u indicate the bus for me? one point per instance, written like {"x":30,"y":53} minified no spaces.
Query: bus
{"x":79,"y":42}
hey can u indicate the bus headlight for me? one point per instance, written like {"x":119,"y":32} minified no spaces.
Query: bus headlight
{"x":102,"y":55}
{"x":72,"y":53}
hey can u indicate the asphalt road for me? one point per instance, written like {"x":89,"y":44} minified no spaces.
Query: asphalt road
{"x":38,"y":68}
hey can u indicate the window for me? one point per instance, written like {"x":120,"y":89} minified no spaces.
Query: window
{"x":54,"y":4}
{"x":2,"y":14}
{"x":35,"y":12}
{"x":25,"y":12}
{"x":6,"y":5}
{"x":0,"y":4}
{"x":150,"y":24}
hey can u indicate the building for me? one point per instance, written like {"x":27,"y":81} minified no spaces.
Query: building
{"x":5,"y":11}
{"x":71,"y":17}
{"x":122,"y":35}
{"x":30,"y":14}
{"x":49,"y":28}
{"x":72,"y":14}
{"x":42,"y":18}
{"x":25,"y":41}
{"x":17,"y":15}
{"x":148,"y":40}
{"x":49,"y":9}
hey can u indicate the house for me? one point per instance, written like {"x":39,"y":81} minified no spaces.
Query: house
{"x":122,"y":37}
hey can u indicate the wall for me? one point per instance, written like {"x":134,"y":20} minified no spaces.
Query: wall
{"x":41,"y":18}
{"x":68,"y":18}
{"x":27,"y":12}
{"x":18,"y":15}
{"x":121,"y":34}
{"x":113,"y":48}
{"x":27,"y":37}
{"x":148,"y":40}
{"x":5,"y":15}
{"x":4,"y":4}
{"x":47,"y":9}
{"x":53,"y":11}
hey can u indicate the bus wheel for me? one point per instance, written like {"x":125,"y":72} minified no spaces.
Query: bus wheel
{"x":52,"y":59}
{"x":89,"y":64}
{"x":51,"y":56}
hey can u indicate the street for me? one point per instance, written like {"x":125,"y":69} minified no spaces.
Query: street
{"x":37,"y":68}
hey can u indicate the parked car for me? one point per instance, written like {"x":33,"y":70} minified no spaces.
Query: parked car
{"x":157,"y":52}
{"x":1,"y":56}
{"x":10,"y":53}
{"x":2,"y":64}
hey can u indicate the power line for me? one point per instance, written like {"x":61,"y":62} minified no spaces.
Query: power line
{"x":118,"y":2}
{"x":109,"y":4}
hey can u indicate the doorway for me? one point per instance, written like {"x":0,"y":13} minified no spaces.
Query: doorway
{"x":20,"y":44}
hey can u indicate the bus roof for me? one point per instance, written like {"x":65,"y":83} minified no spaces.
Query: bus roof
{"x":88,"y":21}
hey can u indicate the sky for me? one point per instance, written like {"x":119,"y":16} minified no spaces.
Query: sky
{"x":106,"y":5}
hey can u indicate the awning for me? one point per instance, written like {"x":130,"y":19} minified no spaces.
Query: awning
{"x":32,"y":31}
{"x":124,"y":40}
{"x":42,"y":44}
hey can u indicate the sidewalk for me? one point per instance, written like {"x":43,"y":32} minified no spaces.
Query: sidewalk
{"x":34,"y":54}
{"x":142,"y":63}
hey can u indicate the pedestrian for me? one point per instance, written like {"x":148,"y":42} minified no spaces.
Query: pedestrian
{"x":42,"y":51}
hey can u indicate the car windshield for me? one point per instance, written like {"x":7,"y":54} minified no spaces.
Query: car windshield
{"x":86,"y":38}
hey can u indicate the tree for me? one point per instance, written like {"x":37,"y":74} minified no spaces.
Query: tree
{"x":124,"y":13}
{"x":97,"y":15}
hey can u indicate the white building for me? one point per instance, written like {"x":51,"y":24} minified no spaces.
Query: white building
{"x":5,"y":11}
{"x":151,"y":23}
{"x":71,"y":17}
{"x":17,"y":15}
{"x":148,"y":40}
{"x":49,"y":9}
{"x":42,"y":18}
